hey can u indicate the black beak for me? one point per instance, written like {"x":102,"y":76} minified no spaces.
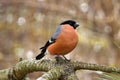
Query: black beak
{"x":76,"y":25}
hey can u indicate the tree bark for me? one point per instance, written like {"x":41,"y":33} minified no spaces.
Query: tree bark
{"x":55,"y":70}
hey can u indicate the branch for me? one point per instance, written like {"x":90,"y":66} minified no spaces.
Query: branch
{"x":95,"y":67}
{"x":73,"y":76}
{"x":60,"y":69}
{"x":53,"y":74}
{"x":18,"y":71}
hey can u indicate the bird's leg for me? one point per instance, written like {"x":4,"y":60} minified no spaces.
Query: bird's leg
{"x":66,"y":58}
{"x":58,"y":58}
{"x":61,"y":58}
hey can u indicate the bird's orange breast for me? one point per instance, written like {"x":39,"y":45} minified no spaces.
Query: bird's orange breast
{"x":65,"y":42}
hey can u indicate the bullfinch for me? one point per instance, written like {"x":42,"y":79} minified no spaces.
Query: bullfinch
{"x":63,"y":41}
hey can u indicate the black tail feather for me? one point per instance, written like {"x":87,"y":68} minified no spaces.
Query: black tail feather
{"x":40,"y":56}
{"x":43,"y":50}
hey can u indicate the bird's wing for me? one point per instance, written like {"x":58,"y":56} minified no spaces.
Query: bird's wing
{"x":56,"y":33}
{"x":53,"y":38}
{"x":49,"y":42}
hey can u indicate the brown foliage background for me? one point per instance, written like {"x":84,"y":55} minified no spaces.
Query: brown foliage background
{"x":25,"y":26}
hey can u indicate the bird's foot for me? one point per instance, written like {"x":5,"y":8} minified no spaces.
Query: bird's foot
{"x":61,"y":59}
{"x":58,"y":58}
{"x":66,"y":59}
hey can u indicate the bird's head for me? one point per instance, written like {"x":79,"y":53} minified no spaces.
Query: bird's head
{"x":71,"y":22}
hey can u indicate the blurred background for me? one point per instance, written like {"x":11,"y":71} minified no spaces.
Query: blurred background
{"x":26,"y":25}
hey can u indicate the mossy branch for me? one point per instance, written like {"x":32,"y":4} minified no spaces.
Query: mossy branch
{"x":53,"y":74}
{"x":95,"y":67}
{"x":60,"y":69}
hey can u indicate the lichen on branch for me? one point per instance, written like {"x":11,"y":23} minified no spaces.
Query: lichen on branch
{"x":60,"y":69}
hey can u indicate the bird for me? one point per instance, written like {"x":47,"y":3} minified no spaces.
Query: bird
{"x":63,"y":40}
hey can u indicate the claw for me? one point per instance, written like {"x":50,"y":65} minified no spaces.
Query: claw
{"x":66,"y":58}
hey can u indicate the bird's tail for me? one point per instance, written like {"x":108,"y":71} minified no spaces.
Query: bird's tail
{"x":42,"y":54}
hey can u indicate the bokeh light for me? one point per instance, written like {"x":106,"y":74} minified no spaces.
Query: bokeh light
{"x":26,"y":25}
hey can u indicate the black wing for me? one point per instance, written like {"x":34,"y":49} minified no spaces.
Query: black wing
{"x":49,"y":42}
{"x":43,"y":49}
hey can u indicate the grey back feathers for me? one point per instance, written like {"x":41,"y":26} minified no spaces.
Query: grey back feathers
{"x":55,"y":35}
